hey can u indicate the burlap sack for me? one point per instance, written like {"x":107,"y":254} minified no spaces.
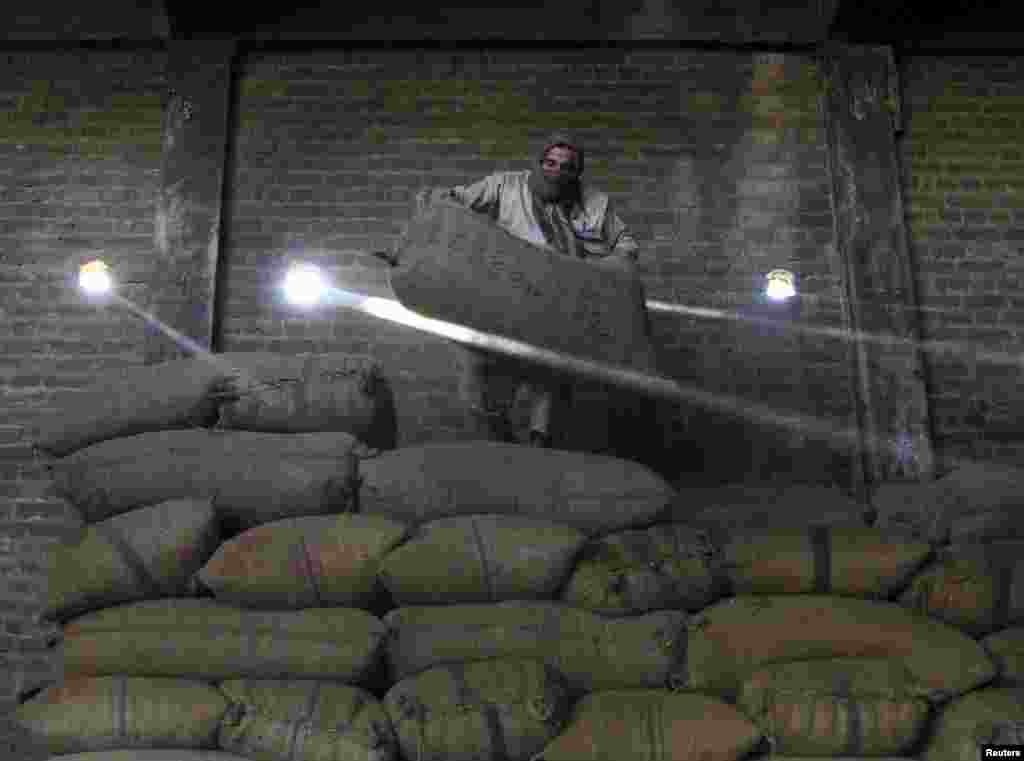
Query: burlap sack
{"x":506,"y":708}
{"x":311,"y":393}
{"x":592,"y":493}
{"x":668,"y":565}
{"x":978,"y":588}
{"x":304,"y":720}
{"x":142,"y":554}
{"x":176,"y":394}
{"x":652,"y":725}
{"x":123,"y":712}
{"x":972,"y":720}
{"x":205,"y":639}
{"x":481,"y":558}
{"x":253,"y":478}
{"x":310,"y":562}
{"x":975,"y":503}
{"x":841,"y":560}
{"x":733,"y":637}
{"x":1006,"y":648}
{"x":837,"y":706}
{"x":591,"y":651}
{"x":738,"y":507}
{"x":456,"y":265}
{"x":162,"y":754}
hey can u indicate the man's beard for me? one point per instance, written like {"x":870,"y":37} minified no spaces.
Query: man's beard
{"x":561,"y":190}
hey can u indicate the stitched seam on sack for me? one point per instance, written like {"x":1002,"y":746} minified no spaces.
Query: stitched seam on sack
{"x":131,"y":558}
{"x":482,"y":554}
{"x":309,"y":570}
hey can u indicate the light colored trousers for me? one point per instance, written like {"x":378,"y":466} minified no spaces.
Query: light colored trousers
{"x":507,"y":399}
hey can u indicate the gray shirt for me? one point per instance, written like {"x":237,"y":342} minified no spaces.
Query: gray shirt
{"x":506,"y":197}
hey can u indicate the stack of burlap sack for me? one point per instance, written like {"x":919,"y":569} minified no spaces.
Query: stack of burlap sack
{"x":462,"y":601}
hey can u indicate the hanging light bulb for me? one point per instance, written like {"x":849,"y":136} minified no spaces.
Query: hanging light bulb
{"x":94,"y":278}
{"x":780,"y":285}
{"x":304,"y":285}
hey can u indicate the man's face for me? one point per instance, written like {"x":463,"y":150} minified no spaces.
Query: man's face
{"x":558,"y":175}
{"x":559,"y":160}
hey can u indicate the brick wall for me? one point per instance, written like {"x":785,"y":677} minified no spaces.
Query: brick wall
{"x":79,"y":160}
{"x":965,"y":200}
{"x":716,"y":158}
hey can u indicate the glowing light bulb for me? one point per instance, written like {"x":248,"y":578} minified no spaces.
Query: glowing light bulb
{"x":304,"y":285}
{"x":94,"y":278}
{"x":780,"y":285}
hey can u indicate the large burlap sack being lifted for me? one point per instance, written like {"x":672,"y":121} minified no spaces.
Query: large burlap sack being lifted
{"x":592,"y":493}
{"x":652,"y":725}
{"x":833,"y":706}
{"x":147,"y":553}
{"x":204,"y":639}
{"x":591,"y":651}
{"x":974,"y":719}
{"x":256,"y":391}
{"x":304,"y":720}
{"x":1006,"y":648}
{"x":978,"y":588}
{"x":733,"y":637}
{"x":481,"y":558}
{"x":309,"y":562}
{"x":978,"y":502}
{"x":500,"y":708}
{"x":91,"y":714}
{"x":252,"y":478}
{"x":458,"y":266}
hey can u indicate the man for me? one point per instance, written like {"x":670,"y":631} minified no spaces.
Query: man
{"x":551,"y":208}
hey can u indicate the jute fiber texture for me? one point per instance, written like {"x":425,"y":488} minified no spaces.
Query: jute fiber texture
{"x":307,"y":562}
{"x":1006,"y":648}
{"x":457,"y":266}
{"x":146,"y":553}
{"x":977,"y":588}
{"x":653,"y":725}
{"x":737,"y":507}
{"x":974,"y":503}
{"x":971,"y":720}
{"x":735,"y":636}
{"x":668,"y":565}
{"x":481,"y":558}
{"x":305,"y":720}
{"x":837,"y":706}
{"x":592,"y":493}
{"x":119,"y":711}
{"x":311,"y":393}
{"x":161,"y":754}
{"x":252,"y":478}
{"x":506,"y":708}
{"x":205,"y":639}
{"x":845,"y":561}
{"x":592,"y":652}
{"x":176,"y":394}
